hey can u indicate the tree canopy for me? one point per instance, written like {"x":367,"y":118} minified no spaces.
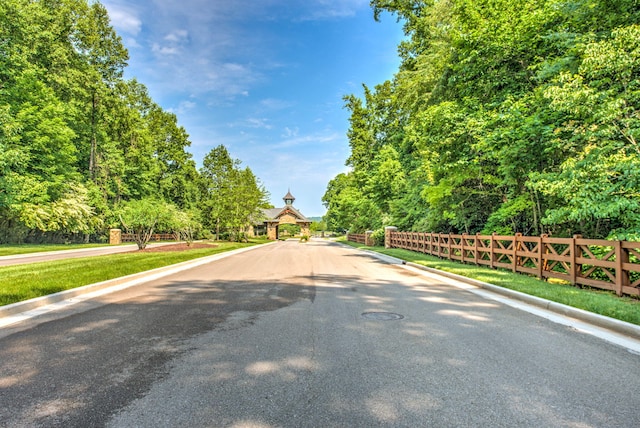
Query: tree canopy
{"x":78,"y":142}
{"x":504,"y":116}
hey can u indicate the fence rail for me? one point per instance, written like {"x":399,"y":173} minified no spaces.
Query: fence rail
{"x":128,"y":237}
{"x":359,"y":238}
{"x":608,"y":265}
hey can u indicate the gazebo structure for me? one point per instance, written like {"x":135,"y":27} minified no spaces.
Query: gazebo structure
{"x":274,"y":217}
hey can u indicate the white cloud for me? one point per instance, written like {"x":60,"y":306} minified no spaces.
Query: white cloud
{"x":258,"y":123}
{"x":183,"y":107}
{"x":177,"y":36}
{"x":124,"y":18}
{"x":288,"y":133}
{"x":312,"y":141}
{"x":174,"y":43}
{"x":331,"y":9}
{"x":165,"y":50}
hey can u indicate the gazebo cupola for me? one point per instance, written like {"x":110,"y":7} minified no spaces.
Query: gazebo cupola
{"x":288,"y":198}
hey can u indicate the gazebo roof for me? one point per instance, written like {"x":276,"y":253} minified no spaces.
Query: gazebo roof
{"x":273,"y":214}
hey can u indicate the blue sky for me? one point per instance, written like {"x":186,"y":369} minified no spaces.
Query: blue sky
{"x":263,"y":77}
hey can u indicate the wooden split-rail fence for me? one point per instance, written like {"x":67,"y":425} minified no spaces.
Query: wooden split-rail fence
{"x":359,"y":238}
{"x":597,"y":263}
{"x":129,"y":237}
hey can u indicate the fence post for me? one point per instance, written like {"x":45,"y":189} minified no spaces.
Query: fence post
{"x":368,"y":241}
{"x":475,"y":249}
{"x":514,"y":262}
{"x":462,"y":244}
{"x":573,"y":255}
{"x":622,"y":277}
{"x":541,"y":262}
{"x":387,"y":235}
{"x":115,"y":236}
{"x":491,"y":245}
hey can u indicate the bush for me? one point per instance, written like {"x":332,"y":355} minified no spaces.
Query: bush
{"x":378,"y":237}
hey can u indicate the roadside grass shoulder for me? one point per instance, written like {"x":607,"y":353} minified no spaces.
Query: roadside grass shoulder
{"x":597,"y":301}
{"x":12,"y":250}
{"x":23,"y":282}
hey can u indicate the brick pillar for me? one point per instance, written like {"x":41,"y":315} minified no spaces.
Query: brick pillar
{"x":271,"y":231}
{"x":115,"y":236}
{"x":368,"y":240}
{"x":387,"y":235}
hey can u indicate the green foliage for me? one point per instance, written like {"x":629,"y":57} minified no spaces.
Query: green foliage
{"x":186,"y":225}
{"x":141,"y":217}
{"x":318,"y":226}
{"x":289,"y":230}
{"x":378,"y":237}
{"x":504,"y":116}
{"x":78,"y":141}
{"x":232,"y":197}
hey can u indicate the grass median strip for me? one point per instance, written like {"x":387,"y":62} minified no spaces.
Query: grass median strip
{"x":596,"y":301}
{"x":23,"y":282}
{"x":11,"y":250}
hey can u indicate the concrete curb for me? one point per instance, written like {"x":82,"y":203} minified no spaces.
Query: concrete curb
{"x":608,"y":323}
{"x":125,"y":281}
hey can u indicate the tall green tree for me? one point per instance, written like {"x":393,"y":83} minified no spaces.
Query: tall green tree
{"x":72,"y":129}
{"x":504,"y":116}
{"x":231,"y":196}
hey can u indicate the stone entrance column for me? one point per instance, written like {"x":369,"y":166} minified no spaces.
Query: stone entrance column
{"x":304,"y":229}
{"x":272,"y":232}
{"x":115,"y":236}
{"x":387,"y":235}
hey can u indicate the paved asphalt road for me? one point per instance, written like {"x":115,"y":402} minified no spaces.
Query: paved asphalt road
{"x":299,"y":335}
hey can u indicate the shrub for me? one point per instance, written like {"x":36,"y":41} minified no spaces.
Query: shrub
{"x":378,"y":237}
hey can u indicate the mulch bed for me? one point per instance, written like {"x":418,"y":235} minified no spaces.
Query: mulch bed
{"x":178,"y":247}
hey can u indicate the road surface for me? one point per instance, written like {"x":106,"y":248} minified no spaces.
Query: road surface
{"x":308,"y":335}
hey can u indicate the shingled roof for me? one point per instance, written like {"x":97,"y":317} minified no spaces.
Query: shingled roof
{"x":275,"y":213}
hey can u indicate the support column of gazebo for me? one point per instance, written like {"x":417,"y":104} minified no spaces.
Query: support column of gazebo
{"x":304,"y":228}
{"x":272,"y":229}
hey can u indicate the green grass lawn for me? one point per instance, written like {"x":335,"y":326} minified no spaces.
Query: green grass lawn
{"x":11,"y":250}
{"x":23,"y":282}
{"x":597,"y":301}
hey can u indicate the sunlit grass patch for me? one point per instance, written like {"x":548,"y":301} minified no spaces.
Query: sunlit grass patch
{"x":23,"y":282}
{"x":11,"y":250}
